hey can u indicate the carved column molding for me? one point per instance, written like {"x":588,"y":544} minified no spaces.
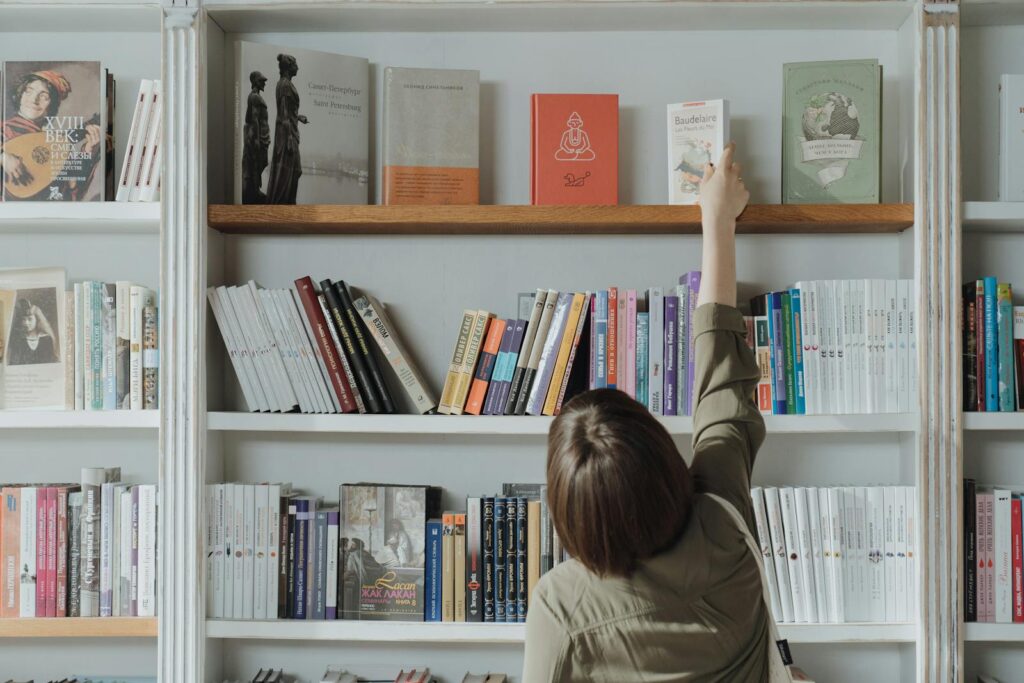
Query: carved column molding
{"x":182,"y":391}
{"x":940,"y":647}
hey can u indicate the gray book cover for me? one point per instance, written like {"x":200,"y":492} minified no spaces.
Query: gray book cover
{"x":431,"y":136}
{"x":301,"y":126}
{"x":546,"y":367}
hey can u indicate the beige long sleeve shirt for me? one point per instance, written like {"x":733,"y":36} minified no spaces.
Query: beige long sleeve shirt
{"x":694,"y":612}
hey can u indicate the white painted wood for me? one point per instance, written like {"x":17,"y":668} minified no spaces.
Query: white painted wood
{"x":80,"y":419}
{"x":67,"y":218}
{"x":994,"y":421}
{"x":994,"y":216}
{"x":111,"y":16}
{"x":994,"y":633}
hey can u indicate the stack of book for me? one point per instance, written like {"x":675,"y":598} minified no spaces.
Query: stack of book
{"x":838,"y":554}
{"x":993,"y":570}
{"x":314,"y":351}
{"x":143,"y":160}
{"x":78,"y":550}
{"x":993,"y":347}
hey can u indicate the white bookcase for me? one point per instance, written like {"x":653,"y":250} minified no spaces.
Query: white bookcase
{"x":650,"y":53}
{"x":100,"y":241}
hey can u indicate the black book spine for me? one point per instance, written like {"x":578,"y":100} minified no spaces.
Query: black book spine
{"x":970,"y":552}
{"x":500,"y":587}
{"x":970,"y":347}
{"x":511,"y":562}
{"x":345,"y":335}
{"x":290,"y":562}
{"x":513,"y":392}
{"x":474,"y":560}
{"x":282,"y":559}
{"x":524,"y":390}
{"x":522,"y":579}
{"x":487,"y":551}
{"x":361,"y":339}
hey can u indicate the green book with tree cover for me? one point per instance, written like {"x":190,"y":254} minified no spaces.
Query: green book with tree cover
{"x":831,"y":132}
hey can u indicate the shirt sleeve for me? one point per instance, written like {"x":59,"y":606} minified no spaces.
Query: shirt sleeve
{"x":546,"y":642}
{"x":727,"y":427}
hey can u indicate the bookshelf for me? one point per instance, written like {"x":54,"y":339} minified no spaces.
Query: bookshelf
{"x":992,"y":231}
{"x":98,"y":241}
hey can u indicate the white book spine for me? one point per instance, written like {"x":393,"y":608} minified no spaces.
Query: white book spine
{"x":656,"y":351}
{"x":1011,"y":138}
{"x":79,"y":368}
{"x":239,"y":546}
{"x":228,"y":529}
{"x":806,"y":561}
{"x":889,"y":552}
{"x":264,"y":336}
{"x":331,"y":599}
{"x":912,"y":345}
{"x":860,"y":348}
{"x":147,"y":550}
{"x":219,"y":554}
{"x":831,"y":332}
{"x":852,"y":597}
{"x":315,"y":347}
{"x":874,"y":516}
{"x":880,"y":311}
{"x":134,"y":145}
{"x":767,"y":556}
{"x":892,"y":400}
{"x":106,"y":548}
{"x":837,"y":535}
{"x":825,"y":529}
{"x":115,"y":555}
{"x":303,"y":358}
{"x":847,"y":335}
{"x":135,"y":348}
{"x":791,"y":531}
{"x":258,"y":350}
{"x":146,"y":131}
{"x":821,"y":315}
{"x":238,"y":354}
{"x":211,"y":545}
{"x":248,"y":550}
{"x":261,"y":498}
{"x":27,"y":552}
{"x":773,"y":507}
{"x":902,"y":351}
{"x":273,"y":555}
{"x":911,"y":496}
{"x":144,"y":189}
{"x":817,"y":559}
{"x":85,"y":350}
{"x":126,"y":552}
{"x":275,"y":331}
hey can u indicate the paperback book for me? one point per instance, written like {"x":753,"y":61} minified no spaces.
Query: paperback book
{"x":697,"y":135}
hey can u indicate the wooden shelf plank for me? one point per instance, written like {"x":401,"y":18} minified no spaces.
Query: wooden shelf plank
{"x":323,"y":219}
{"x":993,"y":216}
{"x":80,"y":419}
{"x":505,"y":634}
{"x":449,"y":425}
{"x":101,"y":627}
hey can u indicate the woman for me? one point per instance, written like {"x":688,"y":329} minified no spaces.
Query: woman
{"x":286,"y":167}
{"x":32,"y":341}
{"x":663,"y":585}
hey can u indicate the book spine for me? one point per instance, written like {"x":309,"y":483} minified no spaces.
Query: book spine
{"x":791,"y":531}
{"x":806,"y":560}
{"x":548,"y":354}
{"x":464,"y":380}
{"x":671,"y":374}
{"x":773,"y":507}
{"x":511,"y":561}
{"x":837,"y":536}
{"x":575,"y":320}
{"x":817,"y":561}
{"x":485,"y":367}
{"x":63,"y":552}
{"x":798,"y":352}
{"x":331,"y":588}
{"x":599,"y":339}
{"x":261,"y":537}
{"x":362,"y":345}
{"x":991,"y":347}
{"x":147,"y":550}
{"x":775,"y":325}
{"x":106,"y":546}
{"x":488,"y":564}
{"x":630,"y":343}
{"x":96,"y":344}
{"x":1002,"y":541}
{"x":131,"y":150}
{"x":642,"y":370}
{"x":970,"y":551}
{"x":150,"y":358}
{"x":90,"y":572}
{"x":432,"y":572}
{"x":448,"y":567}
{"x":343,"y":329}
{"x":1018,"y":578}
{"x":39,"y":548}
{"x":574,"y":349}
{"x":109,"y":359}
{"x":500,"y":560}
{"x":789,"y":357}
{"x":829,"y":554}
{"x":592,"y":369}
{"x":765,"y":543}
{"x":1004,"y":315}
{"x":764,"y":365}
{"x":516,"y":351}
{"x":969,"y":342}
{"x":1018,"y":354}
{"x":136,"y":519}
{"x":454,"y":367}
{"x":533,"y":559}
{"x":319,"y":580}
{"x":301,"y":539}
{"x":522,"y":551}
{"x":612,"y":345}
{"x":74,"y":554}
{"x":460,"y":567}
{"x":874,"y":511}
{"x":474,"y":561}
{"x":328,"y":351}
{"x":979,"y":310}
{"x":693,"y":288}
{"x":514,"y":389}
{"x":500,"y":366}
{"x":125,"y":588}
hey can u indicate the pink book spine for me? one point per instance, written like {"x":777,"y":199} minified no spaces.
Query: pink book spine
{"x":61,"y":585}
{"x":979,"y":512}
{"x":51,"y":551}
{"x":631,"y":342}
{"x":990,"y":570}
{"x":41,"y":552}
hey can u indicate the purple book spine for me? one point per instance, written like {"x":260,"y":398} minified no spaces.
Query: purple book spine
{"x":494,"y":388}
{"x":693,"y":282}
{"x":510,"y":366}
{"x":671,"y":402}
{"x":593,"y":348}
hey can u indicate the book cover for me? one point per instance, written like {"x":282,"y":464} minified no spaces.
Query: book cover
{"x":485,"y":366}
{"x":433,"y":568}
{"x":464,"y":379}
{"x":1004,"y":325}
{"x":306,"y":141}
{"x":697,"y":135}
{"x":384,"y":529}
{"x":487,"y":546}
{"x":431,"y":136}
{"x":53,"y":131}
{"x":574,"y":149}
{"x":1011,"y":138}
{"x":671,"y":379}
{"x":991,"y":346}
{"x":831,"y":132}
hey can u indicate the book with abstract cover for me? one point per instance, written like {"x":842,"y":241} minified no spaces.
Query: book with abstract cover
{"x":831,"y":137}
{"x":306,"y":139}
{"x":32,"y":315}
{"x":53,"y":131}
{"x":574,"y":149}
{"x":697,"y":134}
{"x":382,"y":542}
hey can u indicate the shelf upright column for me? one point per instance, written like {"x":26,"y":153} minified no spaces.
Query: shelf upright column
{"x":182,"y":391}
{"x":940,"y":642}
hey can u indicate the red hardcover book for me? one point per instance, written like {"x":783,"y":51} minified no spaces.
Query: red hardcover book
{"x":484,"y":367}
{"x":574,"y":149}
{"x":41,"y":551}
{"x":979,"y":323}
{"x":1018,"y":578}
{"x":61,"y":605}
{"x":613,"y":337}
{"x":311,"y":306}
{"x":51,"y":551}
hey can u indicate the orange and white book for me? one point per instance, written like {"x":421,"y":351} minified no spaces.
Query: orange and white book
{"x":485,"y":367}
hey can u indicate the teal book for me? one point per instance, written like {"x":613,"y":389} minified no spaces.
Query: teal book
{"x":643,"y":346}
{"x":1004,"y":322}
{"x":831,"y":132}
{"x":790,"y":354}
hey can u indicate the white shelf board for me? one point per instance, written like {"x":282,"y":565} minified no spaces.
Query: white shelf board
{"x":79,"y":419}
{"x":85,"y":217}
{"x":1006,"y":422}
{"x":994,"y":633}
{"x":525,"y":426}
{"x":994,"y":216}
{"x":505,"y":634}
{"x":284,"y":16}
{"x":104,"y":16}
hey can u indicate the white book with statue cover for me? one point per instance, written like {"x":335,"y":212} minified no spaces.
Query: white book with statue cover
{"x":697,"y":134}
{"x":302,"y":126}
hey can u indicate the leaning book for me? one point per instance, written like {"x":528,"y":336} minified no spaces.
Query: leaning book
{"x":53,"y":131}
{"x":301,"y":126}
{"x":831,"y":134}
{"x":32,"y":314}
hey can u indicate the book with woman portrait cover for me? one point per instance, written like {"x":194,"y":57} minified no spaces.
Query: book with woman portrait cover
{"x":381,"y":546}
{"x":32,"y":312}
{"x":302,"y":126}
{"x":53,"y":131}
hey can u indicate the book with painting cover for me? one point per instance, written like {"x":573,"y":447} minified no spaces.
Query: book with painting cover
{"x":697,"y":135}
{"x":831,"y":138}
{"x":574,"y":149}
{"x":431,"y":136}
{"x":53,"y":131}
{"x":32,"y":320}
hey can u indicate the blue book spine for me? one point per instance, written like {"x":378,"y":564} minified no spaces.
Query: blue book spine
{"x":499,"y":559}
{"x":643,"y":348}
{"x":498,"y":375}
{"x":599,"y":344}
{"x":778,"y":354}
{"x":991,"y":348}
{"x":671,"y":361}
{"x":302,"y":518}
{"x":432,"y":573}
{"x":798,"y":352}
{"x":1004,"y":315}
{"x":511,"y":561}
{"x":522,"y":577}
{"x":487,"y":553}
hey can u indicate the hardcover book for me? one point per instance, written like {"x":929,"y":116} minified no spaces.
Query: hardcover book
{"x":697,"y":134}
{"x":307,"y":140}
{"x":383,"y":533}
{"x":1011,"y":138}
{"x":831,"y":137}
{"x":53,"y":135}
{"x":431,"y":137}
{"x":574,"y":149}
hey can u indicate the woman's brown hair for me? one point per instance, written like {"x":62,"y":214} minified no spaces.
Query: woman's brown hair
{"x":619,"y":491}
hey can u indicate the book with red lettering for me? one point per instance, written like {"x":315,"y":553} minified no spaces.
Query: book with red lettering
{"x":574,"y":149}
{"x":339,"y":382}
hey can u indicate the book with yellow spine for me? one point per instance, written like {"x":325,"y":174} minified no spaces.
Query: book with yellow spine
{"x":451,"y":380}
{"x":465,"y":376}
{"x":571,"y":325}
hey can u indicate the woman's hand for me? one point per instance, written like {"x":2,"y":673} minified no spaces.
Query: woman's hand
{"x":722,"y":194}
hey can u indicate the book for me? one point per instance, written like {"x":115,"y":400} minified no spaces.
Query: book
{"x":991,"y":346}
{"x":132,"y":157}
{"x":765,"y":543}
{"x":32,"y":321}
{"x":349,"y":347}
{"x":446,"y":587}
{"x":485,"y":366}
{"x":642,"y":371}
{"x":831,"y":132}
{"x":1004,"y":325}
{"x":522,"y":393}
{"x":1002,"y":556}
{"x":308,"y":141}
{"x":474,"y":344}
{"x":969,"y":344}
{"x":1011,"y":137}
{"x":501,"y":360}
{"x":430,"y":145}
{"x":364,"y":348}
{"x":459,"y":568}
{"x":500,"y":558}
{"x":343,"y":390}
{"x":474,"y":560}
{"x":574,"y":149}
{"x":574,"y":325}
{"x":549,"y":350}
{"x":671,"y":347}
{"x":773,"y":508}
{"x":487,"y":547}
{"x":654,"y":356}
{"x":612,"y":346}
{"x":697,"y":135}
{"x":1018,"y":354}
{"x":53,"y":131}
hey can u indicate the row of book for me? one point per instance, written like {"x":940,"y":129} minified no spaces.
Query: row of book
{"x":839,"y":554}
{"x":333,"y":675}
{"x":78,"y":550}
{"x":96,"y":679}
{"x":312,"y":350}
{"x":993,"y":347}
{"x":143,"y":158}
{"x":993,"y":569}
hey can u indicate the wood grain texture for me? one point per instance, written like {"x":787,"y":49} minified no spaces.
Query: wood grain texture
{"x":323,"y":219}
{"x":106,"y":627}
